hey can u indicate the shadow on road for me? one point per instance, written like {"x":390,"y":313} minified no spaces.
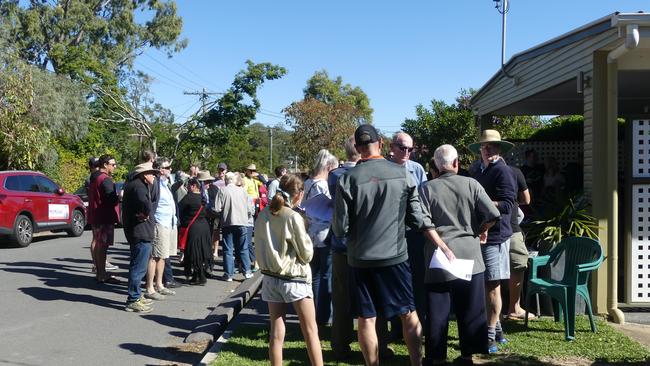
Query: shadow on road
{"x":49,"y":294}
{"x":186,"y":354}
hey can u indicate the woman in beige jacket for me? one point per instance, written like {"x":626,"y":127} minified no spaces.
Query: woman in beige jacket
{"x":284,"y":250}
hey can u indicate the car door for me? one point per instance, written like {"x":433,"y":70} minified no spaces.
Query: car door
{"x":18,"y":199}
{"x":57,"y":209}
{"x":32,"y":199}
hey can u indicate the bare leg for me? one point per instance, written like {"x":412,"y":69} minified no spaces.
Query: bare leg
{"x":160,"y":269}
{"x":368,"y":340}
{"x":493,"y":303}
{"x":277,"y":312}
{"x":514,"y":284}
{"x":92,"y":250}
{"x":412,"y":331}
{"x":307,"y":314}
{"x":151,"y":271}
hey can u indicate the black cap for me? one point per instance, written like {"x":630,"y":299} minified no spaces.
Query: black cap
{"x":93,"y":162}
{"x":365,"y":134}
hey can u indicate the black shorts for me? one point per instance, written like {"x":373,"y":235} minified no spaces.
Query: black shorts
{"x":383,"y":291}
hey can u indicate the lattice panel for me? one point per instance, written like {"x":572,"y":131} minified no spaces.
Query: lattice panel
{"x":641,"y":148}
{"x":640,"y":260}
{"x":563,"y":151}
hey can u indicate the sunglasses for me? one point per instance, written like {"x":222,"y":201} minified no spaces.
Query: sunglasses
{"x":404,"y":148}
{"x":166,"y":167}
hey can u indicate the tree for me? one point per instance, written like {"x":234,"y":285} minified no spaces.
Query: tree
{"x":90,"y":40}
{"x":228,"y":115}
{"x":455,"y":124}
{"x":327,"y":115}
{"x":443,"y":124}
{"x":333,"y":92}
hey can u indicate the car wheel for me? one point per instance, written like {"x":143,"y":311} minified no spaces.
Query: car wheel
{"x":23,"y":231}
{"x":77,"y":224}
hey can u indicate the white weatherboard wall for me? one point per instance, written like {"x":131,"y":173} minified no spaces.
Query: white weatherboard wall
{"x":640,"y":251}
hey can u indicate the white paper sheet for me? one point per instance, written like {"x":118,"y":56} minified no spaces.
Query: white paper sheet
{"x":460,"y":268}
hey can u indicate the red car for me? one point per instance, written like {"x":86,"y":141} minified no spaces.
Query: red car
{"x":31,"y":202}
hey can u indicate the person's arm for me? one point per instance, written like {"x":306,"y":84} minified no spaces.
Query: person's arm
{"x":303,"y":244}
{"x":486,"y":213}
{"x":524,"y":197}
{"x":340,"y":220}
{"x":417,"y":215}
{"x":505,"y":189}
{"x":108,"y":188}
{"x":144,"y":206}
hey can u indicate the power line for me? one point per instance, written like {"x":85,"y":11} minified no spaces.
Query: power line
{"x":172,"y":70}
{"x":186,"y":68}
{"x":177,"y":84}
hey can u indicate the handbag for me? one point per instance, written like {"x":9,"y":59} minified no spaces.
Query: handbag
{"x":183,"y":231}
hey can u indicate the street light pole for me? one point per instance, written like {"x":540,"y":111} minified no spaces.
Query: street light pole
{"x":270,"y":150}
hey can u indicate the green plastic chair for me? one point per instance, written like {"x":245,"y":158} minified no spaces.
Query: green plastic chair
{"x":582,"y":255}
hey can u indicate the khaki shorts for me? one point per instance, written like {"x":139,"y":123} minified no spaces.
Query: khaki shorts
{"x":518,"y":252}
{"x":164,"y":241}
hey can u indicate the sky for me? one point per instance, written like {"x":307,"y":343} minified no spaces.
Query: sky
{"x":401,"y":54}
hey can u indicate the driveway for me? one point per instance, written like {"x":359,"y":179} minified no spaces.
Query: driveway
{"x":52,"y":312}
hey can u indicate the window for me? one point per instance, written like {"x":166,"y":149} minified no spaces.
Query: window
{"x":46,"y":185}
{"x":24,"y":183}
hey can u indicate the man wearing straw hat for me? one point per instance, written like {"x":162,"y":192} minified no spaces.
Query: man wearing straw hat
{"x":499,"y":183}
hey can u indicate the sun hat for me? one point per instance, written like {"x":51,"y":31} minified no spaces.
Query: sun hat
{"x":491,"y":136}
{"x":204,"y":176}
{"x":144,"y":168}
{"x":251,"y":167}
{"x":365,"y":134}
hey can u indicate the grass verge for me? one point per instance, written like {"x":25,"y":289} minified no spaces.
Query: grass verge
{"x":542,"y":344}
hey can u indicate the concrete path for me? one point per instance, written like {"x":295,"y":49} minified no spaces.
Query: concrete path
{"x":54,"y":313}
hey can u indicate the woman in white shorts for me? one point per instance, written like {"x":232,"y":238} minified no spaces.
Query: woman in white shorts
{"x":284,"y":250}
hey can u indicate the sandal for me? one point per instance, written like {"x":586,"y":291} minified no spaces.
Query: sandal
{"x":521,"y":316}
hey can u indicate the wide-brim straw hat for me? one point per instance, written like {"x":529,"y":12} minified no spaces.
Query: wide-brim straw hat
{"x":204,"y":176}
{"x":491,"y":136}
{"x":144,"y":168}
{"x":251,"y":167}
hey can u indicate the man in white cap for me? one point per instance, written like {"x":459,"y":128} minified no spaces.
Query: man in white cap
{"x":498,"y":181}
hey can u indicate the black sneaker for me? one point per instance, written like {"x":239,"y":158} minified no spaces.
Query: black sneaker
{"x":492,"y":346}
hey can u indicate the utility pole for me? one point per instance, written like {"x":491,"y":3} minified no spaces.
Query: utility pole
{"x":203,"y":95}
{"x":270,"y":150}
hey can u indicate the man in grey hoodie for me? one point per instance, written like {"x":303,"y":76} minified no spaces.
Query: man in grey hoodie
{"x":374,"y":202}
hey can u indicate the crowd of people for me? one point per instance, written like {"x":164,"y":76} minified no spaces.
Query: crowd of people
{"x":352,"y":241}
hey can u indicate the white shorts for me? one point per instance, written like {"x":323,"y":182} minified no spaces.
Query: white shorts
{"x":164,"y":241}
{"x":278,"y":290}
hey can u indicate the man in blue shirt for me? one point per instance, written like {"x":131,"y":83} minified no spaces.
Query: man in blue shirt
{"x":402,"y":147}
{"x":165,"y":234}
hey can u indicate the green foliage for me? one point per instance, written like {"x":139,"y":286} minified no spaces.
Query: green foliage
{"x":334,"y":92}
{"x":561,"y":128}
{"x":91,"y":41}
{"x":444,"y":124}
{"x":204,"y":137}
{"x":327,"y":115}
{"x":517,"y":127}
{"x":565,"y":217}
{"x":239,"y":104}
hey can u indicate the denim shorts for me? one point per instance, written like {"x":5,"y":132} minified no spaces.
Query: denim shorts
{"x":497,"y":261}
{"x":384,"y":291}
{"x":284,"y":291}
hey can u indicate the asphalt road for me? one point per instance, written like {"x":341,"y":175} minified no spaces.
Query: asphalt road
{"x":52,"y":311}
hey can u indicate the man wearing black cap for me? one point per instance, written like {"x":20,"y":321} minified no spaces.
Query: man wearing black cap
{"x":374,"y":201}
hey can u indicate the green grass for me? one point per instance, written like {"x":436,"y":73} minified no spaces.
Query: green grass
{"x":542,"y":344}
